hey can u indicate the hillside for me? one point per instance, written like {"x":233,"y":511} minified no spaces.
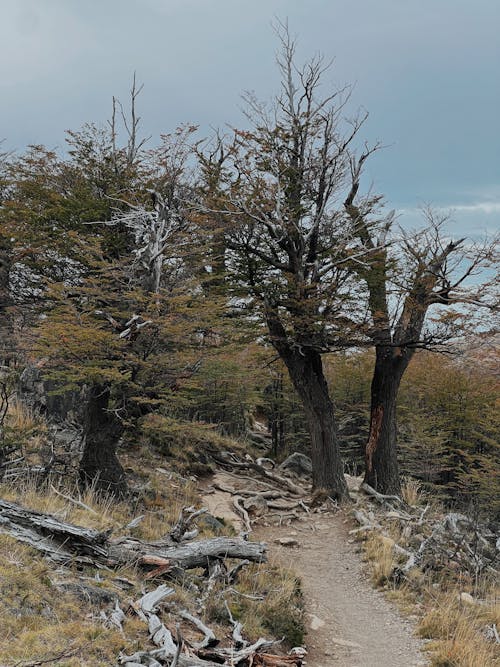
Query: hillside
{"x":80,"y":605}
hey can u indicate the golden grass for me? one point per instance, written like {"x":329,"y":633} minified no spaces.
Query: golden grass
{"x":22,"y":418}
{"x":411,"y":491}
{"x":380,"y":554}
{"x":39,"y":621}
{"x":458,"y":631}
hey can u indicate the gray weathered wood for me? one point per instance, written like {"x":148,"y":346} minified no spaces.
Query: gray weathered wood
{"x":64,"y":542}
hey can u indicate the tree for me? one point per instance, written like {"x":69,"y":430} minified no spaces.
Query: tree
{"x":407,"y":279}
{"x":285,"y":237}
{"x":126,"y":328}
{"x":450,"y":438}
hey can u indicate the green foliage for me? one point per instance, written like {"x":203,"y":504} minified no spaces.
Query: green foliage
{"x":451,"y":411}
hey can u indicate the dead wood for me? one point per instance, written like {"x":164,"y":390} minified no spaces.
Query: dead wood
{"x":239,"y":642}
{"x":209,"y":638}
{"x":278,"y":480}
{"x":241,"y":511}
{"x":431,"y":544}
{"x":61,"y":541}
{"x":267,"y":495}
{"x":380,"y":497}
{"x":64,"y":543}
{"x":181,"y":531}
{"x":177,"y":652}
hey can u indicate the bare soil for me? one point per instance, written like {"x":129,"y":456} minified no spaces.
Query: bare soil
{"x":349,"y":623}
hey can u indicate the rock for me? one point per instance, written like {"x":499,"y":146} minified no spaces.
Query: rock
{"x":467,"y":598}
{"x":212,"y":522}
{"x":298,"y":463}
{"x":287,"y":542}
{"x":255,"y":505}
{"x":316,"y":622}
{"x":353,"y":483}
{"x":344,"y":642}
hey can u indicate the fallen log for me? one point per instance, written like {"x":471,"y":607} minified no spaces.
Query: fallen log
{"x":66,"y":543}
{"x":60,"y":541}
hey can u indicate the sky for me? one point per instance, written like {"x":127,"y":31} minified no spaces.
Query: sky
{"x":427,"y":71}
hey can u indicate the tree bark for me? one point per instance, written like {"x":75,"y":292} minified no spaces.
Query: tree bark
{"x":99,"y":466}
{"x":6,"y":302}
{"x":382,"y":469}
{"x":306,"y":372}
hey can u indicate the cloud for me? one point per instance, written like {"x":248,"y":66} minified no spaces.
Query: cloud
{"x":473,"y":220}
{"x":481,"y":207}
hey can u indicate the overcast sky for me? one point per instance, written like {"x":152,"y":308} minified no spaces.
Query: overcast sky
{"x":428,"y":72}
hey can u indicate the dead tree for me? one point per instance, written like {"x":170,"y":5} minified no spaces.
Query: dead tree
{"x":66,"y":543}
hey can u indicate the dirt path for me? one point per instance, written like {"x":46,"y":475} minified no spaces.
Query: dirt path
{"x":349,"y":623}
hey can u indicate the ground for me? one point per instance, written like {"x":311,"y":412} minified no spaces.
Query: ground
{"x":349,"y":623}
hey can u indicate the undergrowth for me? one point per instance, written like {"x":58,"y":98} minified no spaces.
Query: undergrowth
{"x":456,"y":612}
{"x":43,"y":618}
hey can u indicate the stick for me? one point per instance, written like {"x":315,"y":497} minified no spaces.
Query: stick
{"x":73,"y":500}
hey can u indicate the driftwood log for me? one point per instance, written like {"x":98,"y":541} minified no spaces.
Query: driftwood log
{"x":66,"y":543}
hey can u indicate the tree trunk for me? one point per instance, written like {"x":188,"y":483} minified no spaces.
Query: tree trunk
{"x":306,"y":372}
{"x":6,"y":302}
{"x":99,"y":466}
{"x":382,"y":469}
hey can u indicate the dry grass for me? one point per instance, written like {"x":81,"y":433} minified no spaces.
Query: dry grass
{"x":22,"y":418}
{"x":379,"y":552}
{"x":411,"y":491}
{"x":160,"y":504}
{"x":267,"y":600}
{"x":39,"y":621}
{"x":458,"y":631}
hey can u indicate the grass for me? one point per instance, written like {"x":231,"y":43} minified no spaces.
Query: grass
{"x":39,"y":621}
{"x":267,"y":600}
{"x":188,"y":444}
{"x":411,"y":491}
{"x":380,"y":554}
{"x":455,"y":630}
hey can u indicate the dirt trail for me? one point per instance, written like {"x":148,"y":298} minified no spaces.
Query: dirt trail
{"x":349,"y":623}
